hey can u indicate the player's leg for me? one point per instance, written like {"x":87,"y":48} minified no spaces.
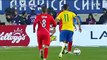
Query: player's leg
{"x":69,"y":44}
{"x":45,"y":51}
{"x":40,"y":46}
{"x":63,"y":46}
{"x":69,"y":47}
{"x":46,"y":43}
{"x":63,"y":42}
{"x":70,"y":36}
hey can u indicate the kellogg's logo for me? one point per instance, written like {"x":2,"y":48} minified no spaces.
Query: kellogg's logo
{"x":17,"y":37}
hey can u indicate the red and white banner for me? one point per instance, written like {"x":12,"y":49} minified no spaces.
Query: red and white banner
{"x":22,"y":35}
{"x":13,"y":36}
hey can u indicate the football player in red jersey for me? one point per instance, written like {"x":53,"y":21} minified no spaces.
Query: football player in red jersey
{"x":43,"y":32}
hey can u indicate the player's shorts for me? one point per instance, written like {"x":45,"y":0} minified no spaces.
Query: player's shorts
{"x":43,"y":39}
{"x":66,"y":35}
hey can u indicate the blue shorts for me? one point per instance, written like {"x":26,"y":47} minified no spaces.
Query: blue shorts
{"x":66,"y":35}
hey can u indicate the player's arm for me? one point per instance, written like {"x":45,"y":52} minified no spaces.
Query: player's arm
{"x":34,"y":24}
{"x":78,"y":21}
{"x":58,"y":18}
{"x":53,"y":31}
{"x":53,"y":22}
{"x":75,"y":27}
{"x":79,"y":25}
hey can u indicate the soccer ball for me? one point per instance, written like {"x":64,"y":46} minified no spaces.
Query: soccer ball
{"x":77,"y":51}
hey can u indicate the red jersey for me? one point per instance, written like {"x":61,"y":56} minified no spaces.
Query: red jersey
{"x":44,"y":21}
{"x":43,"y":32}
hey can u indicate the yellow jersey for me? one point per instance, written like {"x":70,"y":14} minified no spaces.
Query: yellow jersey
{"x":67,"y":18}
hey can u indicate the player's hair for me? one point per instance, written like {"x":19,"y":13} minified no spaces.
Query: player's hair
{"x":44,"y":9}
{"x":65,"y":6}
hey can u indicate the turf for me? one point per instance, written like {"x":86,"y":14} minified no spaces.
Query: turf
{"x":25,"y":53}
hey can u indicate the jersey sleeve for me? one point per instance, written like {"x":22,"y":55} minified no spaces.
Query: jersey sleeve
{"x":74,"y":15}
{"x":53,"y":21}
{"x":35,"y":22}
{"x":59,"y":16}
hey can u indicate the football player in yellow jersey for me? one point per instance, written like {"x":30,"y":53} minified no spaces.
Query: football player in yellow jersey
{"x":67,"y":29}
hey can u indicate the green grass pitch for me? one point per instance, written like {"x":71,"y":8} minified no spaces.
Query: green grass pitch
{"x":25,"y":53}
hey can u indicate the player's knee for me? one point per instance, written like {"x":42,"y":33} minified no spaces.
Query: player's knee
{"x":46,"y":46}
{"x":63,"y":44}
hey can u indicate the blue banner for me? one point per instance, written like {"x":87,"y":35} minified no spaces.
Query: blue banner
{"x":78,"y":6}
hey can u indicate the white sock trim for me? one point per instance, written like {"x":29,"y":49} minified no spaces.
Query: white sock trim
{"x":63,"y":44}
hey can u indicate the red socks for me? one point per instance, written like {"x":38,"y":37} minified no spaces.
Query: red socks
{"x":45,"y":52}
{"x":69,"y":46}
{"x":40,"y":47}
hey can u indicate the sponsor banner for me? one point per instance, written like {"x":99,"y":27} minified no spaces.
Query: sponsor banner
{"x":78,"y":6}
{"x":91,"y":35}
{"x":13,"y":36}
